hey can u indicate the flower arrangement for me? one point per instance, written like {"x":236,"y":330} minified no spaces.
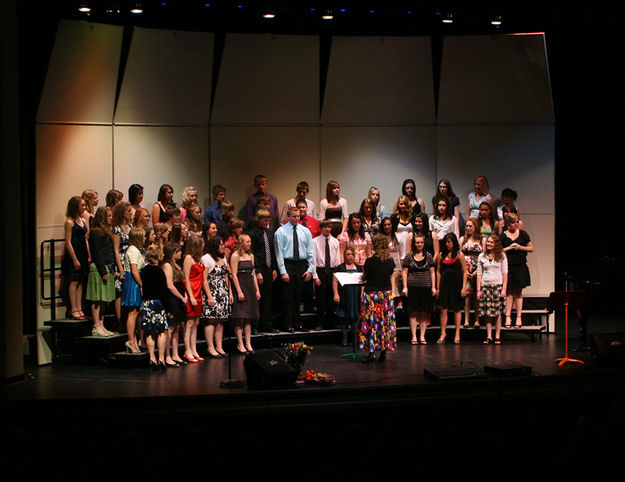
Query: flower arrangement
{"x":296,"y":354}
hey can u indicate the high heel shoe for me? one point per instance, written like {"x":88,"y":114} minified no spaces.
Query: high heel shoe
{"x":190,"y":359}
{"x":153,"y":366}
{"x":161,"y":366}
{"x":131,"y":349}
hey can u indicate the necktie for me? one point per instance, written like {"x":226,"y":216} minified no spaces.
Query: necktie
{"x":295,"y":244}
{"x":328,"y":254}
{"x":267,"y":250}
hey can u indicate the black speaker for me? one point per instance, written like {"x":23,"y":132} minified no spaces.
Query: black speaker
{"x":268,"y":369}
{"x":608,"y":347}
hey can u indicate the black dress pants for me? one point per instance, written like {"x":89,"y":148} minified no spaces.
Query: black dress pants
{"x":292,"y":293}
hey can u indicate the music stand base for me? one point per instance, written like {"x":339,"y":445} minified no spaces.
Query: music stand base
{"x":231,"y":384}
{"x":353,"y":356}
{"x":562,"y":361}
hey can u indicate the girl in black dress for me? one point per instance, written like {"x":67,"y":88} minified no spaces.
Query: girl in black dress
{"x":516,"y":244}
{"x":451,"y":280}
{"x":154,"y":316}
{"x":175,"y":303}
{"x":76,"y":260}
{"x":165,"y":201}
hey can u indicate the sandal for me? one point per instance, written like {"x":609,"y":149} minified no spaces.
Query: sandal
{"x":414,"y":342}
{"x":497,"y":341}
{"x":74,"y":316}
{"x":508,"y":322}
{"x":423,"y":342}
{"x":518,"y":323}
{"x":96,"y":332}
{"x":488,"y":341}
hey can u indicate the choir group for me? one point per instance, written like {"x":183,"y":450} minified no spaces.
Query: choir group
{"x":169,"y":270}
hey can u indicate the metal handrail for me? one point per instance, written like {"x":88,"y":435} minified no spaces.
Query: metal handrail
{"x":52,"y":269}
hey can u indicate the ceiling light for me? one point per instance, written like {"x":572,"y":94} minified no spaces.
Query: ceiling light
{"x":328,"y":15}
{"x":84,"y":7}
{"x":448,"y":18}
{"x":137,"y":9}
{"x":496,"y":21}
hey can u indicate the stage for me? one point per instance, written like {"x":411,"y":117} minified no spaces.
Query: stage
{"x":555,"y":413}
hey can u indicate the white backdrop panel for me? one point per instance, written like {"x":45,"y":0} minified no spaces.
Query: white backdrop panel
{"x":379,"y":80}
{"x":70,"y":159}
{"x":268,"y":79}
{"x":286,"y":155}
{"x":361,"y":157}
{"x":152,"y":156}
{"x":82,"y":75}
{"x":167,"y":79}
{"x":495,"y":78}
{"x":518,"y":157}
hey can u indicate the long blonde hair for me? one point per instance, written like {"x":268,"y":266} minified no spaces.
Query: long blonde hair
{"x":240,"y":240}
{"x":380,"y":246}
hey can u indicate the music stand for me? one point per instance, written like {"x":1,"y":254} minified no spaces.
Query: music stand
{"x":567,"y":299}
{"x":351,"y":279}
{"x":231,"y":382}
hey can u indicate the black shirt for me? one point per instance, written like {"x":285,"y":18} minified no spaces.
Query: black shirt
{"x":377,"y":274}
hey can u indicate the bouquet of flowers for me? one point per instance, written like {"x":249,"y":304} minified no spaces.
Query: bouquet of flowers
{"x":296,"y":354}
{"x":318,"y":378}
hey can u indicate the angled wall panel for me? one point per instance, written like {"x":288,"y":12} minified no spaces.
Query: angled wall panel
{"x":82,"y":75}
{"x":518,"y":157}
{"x":286,"y":155}
{"x":268,"y":79}
{"x":379,"y":80}
{"x":361,"y":157}
{"x":167,"y":79}
{"x":152,"y":156}
{"x":70,"y":159}
{"x":495,"y":78}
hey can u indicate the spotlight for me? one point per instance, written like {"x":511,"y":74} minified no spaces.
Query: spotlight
{"x":137,"y":9}
{"x":84,"y":7}
{"x":496,"y":21}
{"x":268,"y":10}
{"x":328,"y":15}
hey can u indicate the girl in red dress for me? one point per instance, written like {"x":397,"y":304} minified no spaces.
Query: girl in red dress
{"x":193,"y":279}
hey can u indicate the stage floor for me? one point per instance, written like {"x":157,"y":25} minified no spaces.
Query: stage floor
{"x":385,"y":416}
{"x":403,"y":368}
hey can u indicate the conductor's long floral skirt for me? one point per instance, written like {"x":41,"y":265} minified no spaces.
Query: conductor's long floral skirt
{"x":377,"y":322}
